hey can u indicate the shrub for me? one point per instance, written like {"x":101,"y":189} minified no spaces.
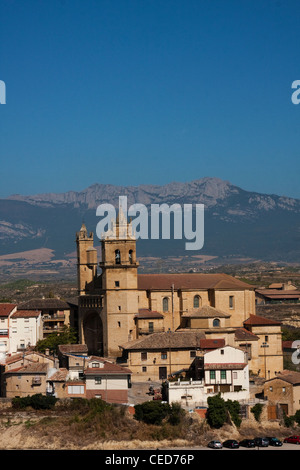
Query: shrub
{"x":37,"y":402}
{"x":257,"y":410}
{"x":151,"y":412}
{"x":234,"y":409}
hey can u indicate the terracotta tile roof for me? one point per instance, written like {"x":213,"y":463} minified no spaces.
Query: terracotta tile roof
{"x":73,"y":348}
{"x":289,"y":376}
{"x":255,"y":320}
{"x":206,"y":312}
{"x":225,"y":366}
{"x":108,"y":367}
{"x":212,"y":343}
{"x":194,"y":281}
{"x":147,"y":313}
{"x":33,"y":368}
{"x":167,"y":340}
{"x":278,"y":294}
{"x":241,"y":334}
{"x":26,"y":313}
{"x":6,"y":309}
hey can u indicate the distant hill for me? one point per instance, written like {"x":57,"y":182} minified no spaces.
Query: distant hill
{"x":238,"y":223}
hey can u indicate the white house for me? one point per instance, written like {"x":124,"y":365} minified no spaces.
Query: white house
{"x":106,"y":380}
{"x":6,"y":309}
{"x":26,"y":328}
{"x":225,"y":372}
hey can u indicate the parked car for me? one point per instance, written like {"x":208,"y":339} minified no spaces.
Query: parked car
{"x":231,"y":443}
{"x":261,"y":441}
{"x":292,"y":440}
{"x":273,"y":441}
{"x":215,"y":445}
{"x":247,"y":443}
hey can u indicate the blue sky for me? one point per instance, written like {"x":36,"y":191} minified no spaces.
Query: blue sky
{"x":133,"y":92}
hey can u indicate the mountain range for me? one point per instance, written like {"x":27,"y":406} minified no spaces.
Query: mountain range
{"x":238,"y":224}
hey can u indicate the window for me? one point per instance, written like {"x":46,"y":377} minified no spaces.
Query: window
{"x":231,"y":301}
{"x":216,"y":322}
{"x":164,"y":355}
{"x":165,"y":304}
{"x":117,"y":257}
{"x":283,"y":389}
{"x":151,"y":326}
{"x":266,"y":339}
{"x":76,"y":389}
{"x":144,"y":356}
{"x":130,"y":257}
{"x":212,"y":374}
{"x":119,"y":324}
{"x":197,"y":301}
{"x":192,"y":353}
{"x":144,"y":369}
{"x":117,"y":283}
{"x":98,"y":380}
{"x":223,"y":374}
{"x":271,"y":389}
{"x":222,"y":351}
{"x":96,"y":364}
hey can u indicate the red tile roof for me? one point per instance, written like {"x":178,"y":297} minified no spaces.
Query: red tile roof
{"x":255,"y":320}
{"x":6,"y":309}
{"x":108,"y":367}
{"x":190,"y":281}
{"x":26,"y":314}
{"x":212,"y":343}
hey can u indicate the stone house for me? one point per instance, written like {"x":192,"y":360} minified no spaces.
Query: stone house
{"x":268,"y":360}
{"x":159,"y":355}
{"x":284,"y":391}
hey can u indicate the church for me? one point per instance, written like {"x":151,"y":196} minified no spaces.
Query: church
{"x":145,"y":317}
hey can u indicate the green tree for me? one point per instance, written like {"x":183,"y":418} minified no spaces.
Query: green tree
{"x":216,"y":411}
{"x":66,"y":336}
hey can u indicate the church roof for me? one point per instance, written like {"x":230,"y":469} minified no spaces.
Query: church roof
{"x":192,"y":281}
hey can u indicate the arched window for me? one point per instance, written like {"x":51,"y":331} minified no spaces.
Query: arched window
{"x":117,"y":257}
{"x":216,"y":322}
{"x":130,"y":256}
{"x":165,"y":304}
{"x":197,"y":301}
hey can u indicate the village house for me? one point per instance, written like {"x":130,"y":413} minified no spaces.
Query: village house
{"x":159,"y":355}
{"x":107,"y":380}
{"x":56,"y":313}
{"x":284,"y":391}
{"x":26,"y":329}
{"x":224,"y":371}
{"x":6,"y":310}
